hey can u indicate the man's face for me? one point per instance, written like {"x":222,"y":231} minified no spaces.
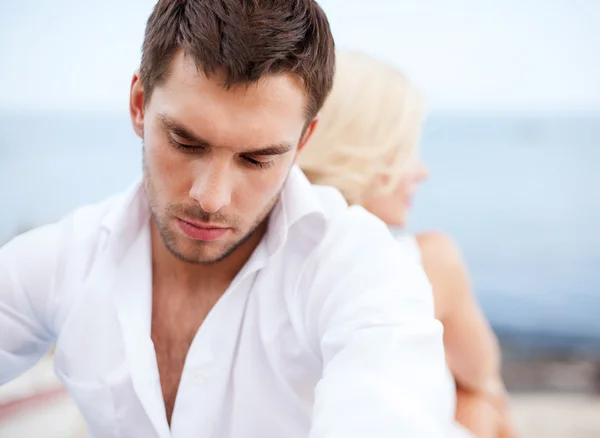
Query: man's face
{"x":216,"y":159}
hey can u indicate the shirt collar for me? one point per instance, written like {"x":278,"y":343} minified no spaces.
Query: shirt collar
{"x":127,"y":215}
{"x":298,"y":203}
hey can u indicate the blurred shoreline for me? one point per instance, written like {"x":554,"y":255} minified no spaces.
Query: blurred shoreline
{"x":549,"y":363}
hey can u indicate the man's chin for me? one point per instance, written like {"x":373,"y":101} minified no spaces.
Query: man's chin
{"x":198,"y":253}
{"x":198,"y":259}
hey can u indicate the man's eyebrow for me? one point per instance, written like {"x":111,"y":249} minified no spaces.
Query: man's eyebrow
{"x":180,"y":131}
{"x":276,"y":149}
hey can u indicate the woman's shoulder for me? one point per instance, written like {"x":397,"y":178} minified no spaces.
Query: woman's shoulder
{"x":444,"y":266}
{"x":431,"y":246}
{"x":440,"y":248}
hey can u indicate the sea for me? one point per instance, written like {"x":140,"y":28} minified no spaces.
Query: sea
{"x":518,"y":192}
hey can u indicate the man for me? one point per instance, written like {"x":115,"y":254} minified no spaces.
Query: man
{"x":223,"y":296}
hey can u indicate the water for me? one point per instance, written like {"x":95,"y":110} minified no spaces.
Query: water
{"x":522,"y":197}
{"x":519,"y":194}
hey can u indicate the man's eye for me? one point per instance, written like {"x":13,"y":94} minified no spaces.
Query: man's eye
{"x":257,"y":163}
{"x":184,"y":147}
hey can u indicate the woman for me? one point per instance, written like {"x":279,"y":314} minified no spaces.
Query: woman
{"x":366,"y":146}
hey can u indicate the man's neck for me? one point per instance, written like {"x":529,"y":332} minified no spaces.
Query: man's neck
{"x":189,"y":275}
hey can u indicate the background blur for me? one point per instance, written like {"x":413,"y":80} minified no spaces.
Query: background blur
{"x":512,"y":143}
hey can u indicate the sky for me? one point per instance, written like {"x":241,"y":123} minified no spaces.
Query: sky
{"x":464,"y":54}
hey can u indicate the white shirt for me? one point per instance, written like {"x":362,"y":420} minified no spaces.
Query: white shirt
{"x":328,"y":331}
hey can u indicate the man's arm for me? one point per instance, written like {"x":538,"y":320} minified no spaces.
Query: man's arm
{"x":27,"y":277}
{"x":382,"y":350}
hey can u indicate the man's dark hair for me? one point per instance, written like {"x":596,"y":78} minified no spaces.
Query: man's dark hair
{"x":244,"y":40}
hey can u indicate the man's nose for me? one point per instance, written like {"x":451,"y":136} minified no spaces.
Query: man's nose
{"x":212,"y":188}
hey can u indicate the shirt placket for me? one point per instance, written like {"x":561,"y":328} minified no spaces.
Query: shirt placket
{"x":206,"y":375}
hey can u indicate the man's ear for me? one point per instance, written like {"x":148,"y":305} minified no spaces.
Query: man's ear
{"x":308,"y":132}
{"x":136,"y":104}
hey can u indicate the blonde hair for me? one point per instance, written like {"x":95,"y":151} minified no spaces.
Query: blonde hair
{"x":369,"y":126}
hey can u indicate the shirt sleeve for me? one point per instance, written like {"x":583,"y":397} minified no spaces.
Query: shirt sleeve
{"x":28,"y":274}
{"x":373,"y":322}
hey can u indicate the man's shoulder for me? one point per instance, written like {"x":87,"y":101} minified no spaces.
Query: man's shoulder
{"x":355,"y":244}
{"x":359,"y":266}
{"x":90,"y":218}
{"x":341,"y":217}
{"x":345,"y":237}
{"x":354,"y":229}
{"x":77,"y":231}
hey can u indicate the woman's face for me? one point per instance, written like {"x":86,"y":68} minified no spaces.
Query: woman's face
{"x":392,"y":206}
